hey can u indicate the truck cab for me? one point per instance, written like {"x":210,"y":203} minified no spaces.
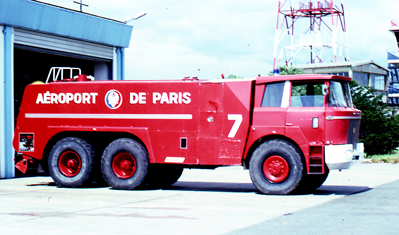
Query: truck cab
{"x":314,"y":113}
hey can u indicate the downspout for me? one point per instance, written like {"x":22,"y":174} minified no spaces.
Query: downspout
{"x":7,"y":152}
{"x":120,"y":63}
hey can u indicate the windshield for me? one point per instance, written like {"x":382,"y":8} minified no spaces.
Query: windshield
{"x":339,"y":95}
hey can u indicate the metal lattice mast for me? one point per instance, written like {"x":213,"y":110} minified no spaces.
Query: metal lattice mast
{"x":316,"y":27}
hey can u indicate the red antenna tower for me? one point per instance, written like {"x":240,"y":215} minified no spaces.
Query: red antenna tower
{"x":322,"y":32}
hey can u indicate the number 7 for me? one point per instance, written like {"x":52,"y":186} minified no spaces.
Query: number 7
{"x":237,"y":122}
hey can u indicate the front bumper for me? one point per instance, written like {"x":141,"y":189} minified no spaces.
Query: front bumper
{"x":339,"y":157}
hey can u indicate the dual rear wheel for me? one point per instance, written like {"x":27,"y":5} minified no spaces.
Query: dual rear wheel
{"x":72,"y":162}
{"x":124,"y":165}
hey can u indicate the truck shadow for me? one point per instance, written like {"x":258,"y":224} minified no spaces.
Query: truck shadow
{"x":213,"y":187}
{"x":340,"y":190}
{"x":324,"y":190}
{"x":250,"y":188}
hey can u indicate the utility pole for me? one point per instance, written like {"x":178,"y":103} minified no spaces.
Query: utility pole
{"x":81,"y":4}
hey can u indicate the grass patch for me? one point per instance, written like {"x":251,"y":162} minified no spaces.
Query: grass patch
{"x":385,"y":158}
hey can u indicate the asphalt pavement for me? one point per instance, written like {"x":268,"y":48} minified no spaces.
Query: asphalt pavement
{"x":373,"y":211}
{"x":361,"y":200}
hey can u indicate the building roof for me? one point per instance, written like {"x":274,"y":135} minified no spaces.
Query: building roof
{"x":395,"y":30}
{"x":55,"y":20}
{"x":341,"y":64}
{"x":368,"y":66}
{"x":393,"y":59}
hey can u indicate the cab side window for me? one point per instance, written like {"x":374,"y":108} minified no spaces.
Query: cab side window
{"x":273,"y":95}
{"x":307,"y":94}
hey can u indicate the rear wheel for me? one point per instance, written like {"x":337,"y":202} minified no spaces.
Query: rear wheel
{"x":71,"y":161}
{"x":276,"y":167}
{"x":124,"y":164}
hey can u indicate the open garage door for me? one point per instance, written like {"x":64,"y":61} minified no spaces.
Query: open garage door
{"x":62,"y":44}
{"x":36,"y":53}
{"x":33,"y":64}
{"x":43,"y":51}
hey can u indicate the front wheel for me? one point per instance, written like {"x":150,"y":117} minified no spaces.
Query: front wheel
{"x":311,"y":182}
{"x":276,"y":167}
{"x":124,"y":164}
{"x":71,"y":162}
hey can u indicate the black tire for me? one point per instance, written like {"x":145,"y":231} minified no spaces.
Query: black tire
{"x":162,"y":175}
{"x":71,"y":161}
{"x":124,"y":164}
{"x":276,"y":167}
{"x":311,"y":182}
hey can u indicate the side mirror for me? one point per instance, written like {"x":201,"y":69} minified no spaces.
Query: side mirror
{"x":324,"y":89}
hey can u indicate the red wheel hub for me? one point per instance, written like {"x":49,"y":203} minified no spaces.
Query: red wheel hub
{"x":69,"y":163}
{"x":124,"y":165}
{"x":276,"y":168}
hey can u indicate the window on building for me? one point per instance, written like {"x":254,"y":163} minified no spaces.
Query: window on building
{"x":361,"y":78}
{"x":378,"y":82}
{"x":344,"y":74}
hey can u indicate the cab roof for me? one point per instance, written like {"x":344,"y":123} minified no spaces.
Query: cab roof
{"x":299,"y":77}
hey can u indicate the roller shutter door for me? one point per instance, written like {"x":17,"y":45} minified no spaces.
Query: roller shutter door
{"x":62,"y":44}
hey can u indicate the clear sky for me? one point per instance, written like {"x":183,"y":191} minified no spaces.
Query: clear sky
{"x":179,"y":38}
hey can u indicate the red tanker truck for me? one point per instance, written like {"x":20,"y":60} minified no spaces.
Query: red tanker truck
{"x":289,"y":131}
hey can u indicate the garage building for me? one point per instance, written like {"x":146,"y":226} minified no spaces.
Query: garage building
{"x":35,"y":37}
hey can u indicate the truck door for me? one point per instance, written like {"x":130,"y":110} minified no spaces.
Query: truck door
{"x":223,"y":121}
{"x":305,"y":120}
{"x":271,"y":107}
{"x":210,"y":122}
